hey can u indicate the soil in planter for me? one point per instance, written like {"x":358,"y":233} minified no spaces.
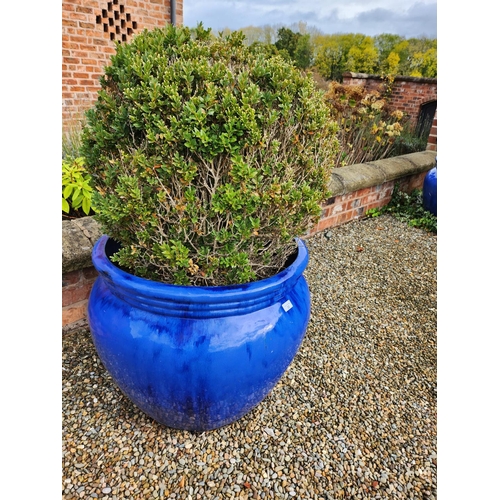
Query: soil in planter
{"x":76,"y":214}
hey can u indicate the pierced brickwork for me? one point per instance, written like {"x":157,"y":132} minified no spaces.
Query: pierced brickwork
{"x":116,"y":22}
{"x":90,"y":29}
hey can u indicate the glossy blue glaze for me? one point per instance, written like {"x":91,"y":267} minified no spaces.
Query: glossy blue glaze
{"x":197,"y":358}
{"x":429,"y":191}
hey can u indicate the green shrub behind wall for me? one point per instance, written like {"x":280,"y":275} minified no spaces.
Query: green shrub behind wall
{"x":207,"y":157}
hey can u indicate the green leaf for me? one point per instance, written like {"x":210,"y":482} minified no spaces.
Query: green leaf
{"x":86,"y":205}
{"x":77,"y":202}
{"x":65,"y":206}
{"x":67,"y":191}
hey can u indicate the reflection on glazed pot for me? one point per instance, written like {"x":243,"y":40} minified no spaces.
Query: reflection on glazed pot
{"x":429,"y":190}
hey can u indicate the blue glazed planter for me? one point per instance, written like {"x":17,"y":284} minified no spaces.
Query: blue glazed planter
{"x":196,"y":358}
{"x":429,"y":191}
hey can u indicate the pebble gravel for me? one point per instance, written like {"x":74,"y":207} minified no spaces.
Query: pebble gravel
{"x":353,"y":417}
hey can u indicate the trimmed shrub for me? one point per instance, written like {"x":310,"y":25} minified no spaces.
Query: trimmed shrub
{"x":207,"y":157}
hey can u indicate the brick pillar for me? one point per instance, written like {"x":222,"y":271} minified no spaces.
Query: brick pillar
{"x":432,"y":140}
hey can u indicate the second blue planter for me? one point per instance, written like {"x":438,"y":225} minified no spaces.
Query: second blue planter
{"x":429,"y":191}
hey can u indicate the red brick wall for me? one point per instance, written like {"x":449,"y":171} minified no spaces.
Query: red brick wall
{"x":408,"y":93}
{"x":351,"y":206}
{"x":76,"y":288}
{"x":89,"y":31}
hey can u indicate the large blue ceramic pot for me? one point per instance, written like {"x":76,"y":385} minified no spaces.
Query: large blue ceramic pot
{"x":196,"y":358}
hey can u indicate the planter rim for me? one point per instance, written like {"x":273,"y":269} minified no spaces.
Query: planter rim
{"x":197,"y":301}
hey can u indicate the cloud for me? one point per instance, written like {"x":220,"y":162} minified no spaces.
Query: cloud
{"x":419,"y":20}
{"x":357,"y":16}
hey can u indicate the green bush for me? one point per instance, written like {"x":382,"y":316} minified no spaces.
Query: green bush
{"x":76,"y":190}
{"x":71,"y":140}
{"x":409,"y":208}
{"x":408,"y":142}
{"x":207,"y":157}
{"x":368,"y":129}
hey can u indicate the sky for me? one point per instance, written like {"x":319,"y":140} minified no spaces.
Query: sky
{"x":369,"y":17}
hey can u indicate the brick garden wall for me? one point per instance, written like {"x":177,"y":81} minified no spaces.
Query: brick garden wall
{"x":76,"y":286}
{"x":408,"y":94}
{"x":353,"y":206}
{"x":90,"y":29}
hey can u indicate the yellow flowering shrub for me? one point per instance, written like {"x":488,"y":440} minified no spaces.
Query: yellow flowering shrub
{"x":367,"y":126}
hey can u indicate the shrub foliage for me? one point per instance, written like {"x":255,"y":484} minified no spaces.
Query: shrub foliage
{"x":368,"y":129}
{"x":207,"y":157}
{"x":76,"y":190}
{"x":409,"y":208}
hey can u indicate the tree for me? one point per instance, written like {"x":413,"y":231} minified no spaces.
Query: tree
{"x":425,"y":64}
{"x":287,"y":41}
{"x":362,"y":56}
{"x":392,"y":64}
{"x":303,"y":52}
{"x":335,"y":54}
{"x":389,"y":50}
{"x":412,"y":56}
{"x":269,"y":33}
{"x":296,"y":45}
{"x":331,"y":56}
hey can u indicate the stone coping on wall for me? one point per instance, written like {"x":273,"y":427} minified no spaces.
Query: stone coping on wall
{"x":363,"y":175}
{"x":80,"y":235}
{"x":78,"y":239}
{"x":366,"y":76}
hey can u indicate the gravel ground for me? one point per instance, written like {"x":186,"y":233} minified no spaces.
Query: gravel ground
{"x":353,"y":417}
